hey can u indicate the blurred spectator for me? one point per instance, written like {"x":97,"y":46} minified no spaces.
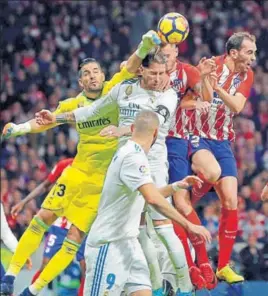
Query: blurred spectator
{"x":252,"y":259}
{"x":253,"y":225}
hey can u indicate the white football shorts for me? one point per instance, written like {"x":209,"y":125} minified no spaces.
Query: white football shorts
{"x":116,"y":267}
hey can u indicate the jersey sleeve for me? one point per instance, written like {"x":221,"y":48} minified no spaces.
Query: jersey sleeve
{"x":135,"y":171}
{"x":193,"y":76}
{"x":58,"y":169}
{"x":245,"y":87}
{"x":67,"y":105}
{"x":100,"y":107}
{"x":117,"y":78}
{"x":166,"y":106}
{"x":7,"y":236}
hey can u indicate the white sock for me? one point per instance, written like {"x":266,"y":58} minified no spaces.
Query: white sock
{"x":33,"y":290}
{"x":177,"y":256}
{"x":151,"y":257}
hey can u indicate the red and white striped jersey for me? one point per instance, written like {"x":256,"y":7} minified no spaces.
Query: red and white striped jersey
{"x":184,"y":77}
{"x":217,"y":124}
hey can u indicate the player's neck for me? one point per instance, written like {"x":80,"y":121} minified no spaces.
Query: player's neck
{"x":91,"y":95}
{"x":230,"y":63}
{"x":143,"y":142}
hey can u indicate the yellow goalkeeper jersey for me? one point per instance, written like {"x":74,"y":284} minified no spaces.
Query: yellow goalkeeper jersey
{"x":94,"y":152}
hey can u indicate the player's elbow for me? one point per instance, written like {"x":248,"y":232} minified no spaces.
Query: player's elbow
{"x":151,"y":200}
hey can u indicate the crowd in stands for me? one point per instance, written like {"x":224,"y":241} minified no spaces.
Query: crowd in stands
{"x":42,"y":45}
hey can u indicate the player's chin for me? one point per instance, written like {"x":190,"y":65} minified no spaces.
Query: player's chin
{"x":95,"y":89}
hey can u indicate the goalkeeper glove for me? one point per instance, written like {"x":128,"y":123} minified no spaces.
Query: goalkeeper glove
{"x":149,"y":41}
{"x":14,"y":130}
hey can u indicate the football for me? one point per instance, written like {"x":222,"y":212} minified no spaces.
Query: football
{"x":173,"y":28}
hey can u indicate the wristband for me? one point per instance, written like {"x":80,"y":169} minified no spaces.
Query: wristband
{"x":141,"y":52}
{"x":175,"y":186}
{"x":23,"y":128}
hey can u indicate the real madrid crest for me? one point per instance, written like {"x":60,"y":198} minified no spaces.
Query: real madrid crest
{"x":128,"y":90}
{"x":80,"y":105}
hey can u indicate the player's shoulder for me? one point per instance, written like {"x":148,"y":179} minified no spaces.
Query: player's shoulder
{"x":131,"y":150}
{"x":130,"y":81}
{"x":250,"y":74}
{"x":64,"y":162}
{"x":186,"y":66}
{"x":74,"y":100}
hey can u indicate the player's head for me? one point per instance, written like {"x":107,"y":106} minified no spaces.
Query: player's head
{"x":170,"y":51}
{"x":145,"y":127}
{"x":153,"y":71}
{"x":241,"y":47}
{"x":91,"y":76}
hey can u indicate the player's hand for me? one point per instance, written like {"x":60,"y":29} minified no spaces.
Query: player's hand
{"x":29,"y":264}
{"x":200,"y":231}
{"x":45,"y":117}
{"x":206,"y":66}
{"x":213,"y":80}
{"x":189,"y":181}
{"x":203,"y":107}
{"x":110,"y":131}
{"x":165,"y":84}
{"x":149,"y":41}
{"x":10,"y":130}
{"x":15,"y":210}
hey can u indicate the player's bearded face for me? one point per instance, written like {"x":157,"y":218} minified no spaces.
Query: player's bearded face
{"x":246,"y":55}
{"x":92,"y":78}
{"x":153,"y":76}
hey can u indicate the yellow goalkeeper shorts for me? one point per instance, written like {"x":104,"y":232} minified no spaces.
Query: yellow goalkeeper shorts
{"x":76,"y":196}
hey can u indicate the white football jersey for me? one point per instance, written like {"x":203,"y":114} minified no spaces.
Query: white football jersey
{"x":131,"y":98}
{"x":7,"y":236}
{"x":121,"y":204}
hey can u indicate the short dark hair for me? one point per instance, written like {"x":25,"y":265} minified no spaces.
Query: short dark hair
{"x":85,"y":62}
{"x":235,"y":41}
{"x":152,"y":58}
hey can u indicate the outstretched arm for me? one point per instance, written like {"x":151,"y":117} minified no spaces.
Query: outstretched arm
{"x":99,"y":108}
{"x":31,"y":126}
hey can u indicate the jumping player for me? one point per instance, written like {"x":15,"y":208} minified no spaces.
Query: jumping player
{"x":211,"y":153}
{"x":187,"y":78}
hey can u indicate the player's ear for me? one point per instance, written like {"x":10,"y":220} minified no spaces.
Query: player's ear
{"x":234,"y":53}
{"x":156,"y":133}
{"x":80,"y":82}
{"x":103,"y":76}
{"x":141,"y":70}
{"x":132,"y":128}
